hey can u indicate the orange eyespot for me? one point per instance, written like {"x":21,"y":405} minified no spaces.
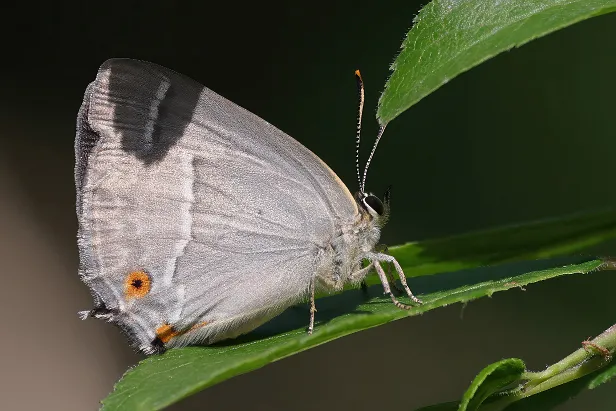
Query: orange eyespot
{"x":137,"y":284}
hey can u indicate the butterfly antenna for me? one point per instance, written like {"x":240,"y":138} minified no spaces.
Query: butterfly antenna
{"x":360,"y":110}
{"x":376,"y":143}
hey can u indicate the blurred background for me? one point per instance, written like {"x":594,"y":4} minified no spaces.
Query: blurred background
{"x":526,"y":135}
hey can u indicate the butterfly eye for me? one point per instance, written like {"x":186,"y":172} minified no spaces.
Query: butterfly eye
{"x":374,"y":203}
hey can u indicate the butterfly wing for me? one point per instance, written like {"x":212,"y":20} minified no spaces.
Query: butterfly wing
{"x":197,"y":219}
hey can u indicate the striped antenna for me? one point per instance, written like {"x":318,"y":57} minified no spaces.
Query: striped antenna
{"x":360,"y":110}
{"x":376,"y":143}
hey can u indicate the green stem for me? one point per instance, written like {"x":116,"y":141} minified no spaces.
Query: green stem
{"x":571,"y":374}
{"x":595,"y":354}
{"x":606,"y":340}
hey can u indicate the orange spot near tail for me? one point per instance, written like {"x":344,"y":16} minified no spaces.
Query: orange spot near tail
{"x":166,"y":332}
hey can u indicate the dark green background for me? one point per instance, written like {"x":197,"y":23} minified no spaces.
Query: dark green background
{"x":526,"y":135}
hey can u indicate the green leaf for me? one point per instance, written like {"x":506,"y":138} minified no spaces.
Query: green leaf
{"x":449,"y":37}
{"x":163,"y":380}
{"x":542,"y":239}
{"x":603,"y":376}
{"x":490,"y":380}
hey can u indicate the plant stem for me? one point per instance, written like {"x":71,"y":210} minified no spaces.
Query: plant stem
{"x":595,"y":354}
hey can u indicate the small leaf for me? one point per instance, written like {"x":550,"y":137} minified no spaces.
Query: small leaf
{"x":451,"y":36}
{"x":490,"y":380}
{"x":603,"y":376}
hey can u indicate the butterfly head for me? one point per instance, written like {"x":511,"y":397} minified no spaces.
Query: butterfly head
{"x":371,"y":205}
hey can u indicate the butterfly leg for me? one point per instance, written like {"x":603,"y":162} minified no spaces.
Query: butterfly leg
{"x":403,"y":281}
{"x":383,"y":249}
{"x":387,"y":258}
{"x":365,"y":271}
{"x":313,"y":308}
{"x":386,"y":288}
{"x":392,"y":280}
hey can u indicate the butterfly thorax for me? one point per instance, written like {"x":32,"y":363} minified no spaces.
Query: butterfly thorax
{"x":341,"y":257}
